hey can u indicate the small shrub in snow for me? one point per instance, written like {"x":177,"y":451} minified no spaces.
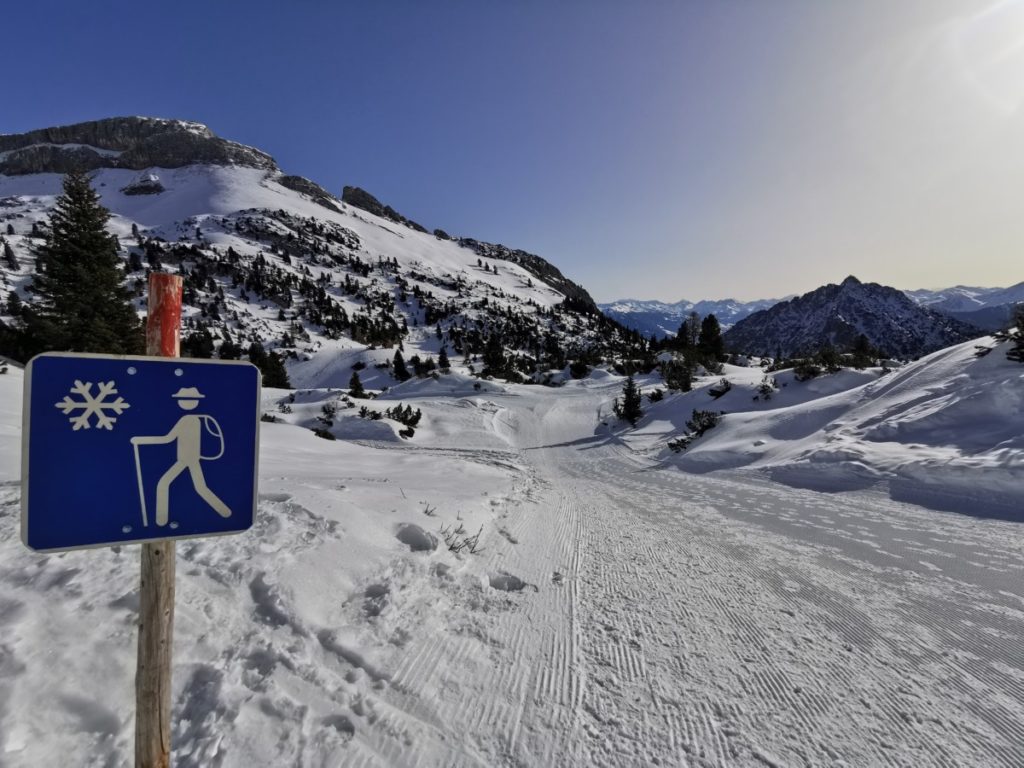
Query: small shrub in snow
{"x":458,"y":540}
{"x":767,"y":387}
{"x":680,"y":444}
{"x":677,"y":375}
{"x":320,"y":432}
{"x":267,"y":417}
{"x":720,"y":388}
{"x":806,"y":370}
{"x":329,"y":411}
{"x":701,"y":421}
{"x":656,"y":395}
{"x":578,"y":369}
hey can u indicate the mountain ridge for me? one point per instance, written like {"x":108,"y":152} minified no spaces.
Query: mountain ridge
{"x":837,"y":314}
{"x":276,"y":259}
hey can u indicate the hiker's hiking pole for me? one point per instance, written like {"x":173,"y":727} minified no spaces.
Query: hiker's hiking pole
{"x":142,"y":491}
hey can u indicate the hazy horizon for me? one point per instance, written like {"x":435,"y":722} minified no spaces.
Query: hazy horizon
{"x":691,"y":150}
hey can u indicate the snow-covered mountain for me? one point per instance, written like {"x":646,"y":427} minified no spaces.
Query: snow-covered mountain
{"x":660,"y":319}
{"x":838,"y":314}
{"x":277,"y":259}
{"x":987,"y":308}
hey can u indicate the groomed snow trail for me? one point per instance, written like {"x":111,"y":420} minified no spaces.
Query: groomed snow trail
{"x":690,"y":620}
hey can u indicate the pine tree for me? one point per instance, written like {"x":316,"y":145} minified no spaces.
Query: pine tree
{"x":355,"y":386}
{"x":398,"y":369}
{"x":274,"y":372}
{"x":863,"y":352}
{"x":257,"y":355}
{"x":630,"y":407}
{"x":689,"y":333}
{"x":709,"y":343}
{"x":271,"y":367}
{"x":677,"y":374}
{"x":494,"y":356}
{"x":1016,"y":352}
{"x":9,"y":257}
{"x":83,"y":305}
{"x":199,"y":345}
{"x":442,"y":360}
{"x":228,"y":349}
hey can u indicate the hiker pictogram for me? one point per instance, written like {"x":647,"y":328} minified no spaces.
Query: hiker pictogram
{"x":187,"y":434}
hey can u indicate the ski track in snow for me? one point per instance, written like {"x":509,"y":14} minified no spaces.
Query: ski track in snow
{"x":646,"y":616}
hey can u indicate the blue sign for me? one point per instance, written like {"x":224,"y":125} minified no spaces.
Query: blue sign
{"x":129,"y":449}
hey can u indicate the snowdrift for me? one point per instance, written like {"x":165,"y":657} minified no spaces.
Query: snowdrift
{"x":946,"y":432}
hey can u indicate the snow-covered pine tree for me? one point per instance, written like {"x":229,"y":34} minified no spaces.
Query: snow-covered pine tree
{"x":355,"y":386}
{"x":82,"y":303}
{"x":398,"y":369}
{"x":630,"y":406}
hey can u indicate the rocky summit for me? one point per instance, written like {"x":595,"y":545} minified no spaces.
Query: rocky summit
{"x":133,"y":143}
{"x":839,"y":314}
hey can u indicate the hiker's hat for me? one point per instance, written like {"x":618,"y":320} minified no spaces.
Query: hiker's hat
{"x":187,"y":393}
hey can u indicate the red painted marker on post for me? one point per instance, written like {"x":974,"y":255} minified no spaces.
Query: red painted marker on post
{"x":163,"y":338}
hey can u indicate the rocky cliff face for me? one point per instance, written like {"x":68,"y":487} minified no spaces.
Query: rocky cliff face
{"x":360,"y":198}
{"x":123,"y":142}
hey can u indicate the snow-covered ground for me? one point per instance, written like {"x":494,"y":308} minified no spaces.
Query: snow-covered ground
{"x":626,"y":606}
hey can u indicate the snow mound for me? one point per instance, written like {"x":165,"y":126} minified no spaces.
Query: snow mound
{"x":945,"y":432}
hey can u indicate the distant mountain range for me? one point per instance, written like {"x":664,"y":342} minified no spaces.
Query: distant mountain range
{"x":838,"y":314}
{"x":986,"y":308}
{"x":661,"y":319}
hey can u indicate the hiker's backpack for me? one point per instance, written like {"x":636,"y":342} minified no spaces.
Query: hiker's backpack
{"x":211,"y":441}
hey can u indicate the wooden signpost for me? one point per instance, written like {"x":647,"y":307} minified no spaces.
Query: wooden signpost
{"x":156,"y":587}
{"x":122,"y":449}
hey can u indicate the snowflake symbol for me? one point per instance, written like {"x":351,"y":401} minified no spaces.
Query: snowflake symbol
{"x":92,"y":405}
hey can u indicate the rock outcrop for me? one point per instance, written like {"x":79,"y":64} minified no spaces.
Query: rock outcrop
{"x":360,"y":198}
{"x":123,"y":142}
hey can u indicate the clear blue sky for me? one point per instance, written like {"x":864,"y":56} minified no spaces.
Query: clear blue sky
{"x":649,"y":149}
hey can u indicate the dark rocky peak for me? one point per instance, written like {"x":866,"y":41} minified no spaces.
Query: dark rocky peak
{"x":850,"y":282}
{"x":837,"y":315}
{"x":360,"y":198}
{"x":123,"y":142}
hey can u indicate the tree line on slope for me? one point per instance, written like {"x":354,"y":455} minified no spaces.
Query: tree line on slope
{"x":81,"y":302}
